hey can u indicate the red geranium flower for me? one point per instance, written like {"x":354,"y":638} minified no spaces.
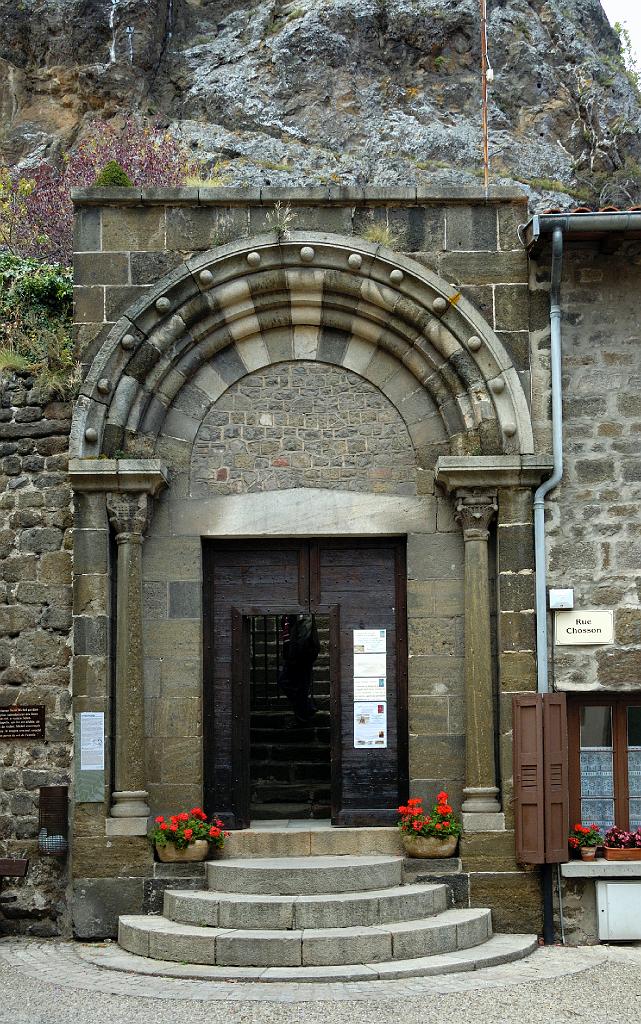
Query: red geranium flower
{"x":163,"y":825}
{"x":188,"y":833}
{"x":159,"y":819}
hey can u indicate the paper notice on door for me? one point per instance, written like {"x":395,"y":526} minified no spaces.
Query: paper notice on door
{"x":370,"y":724}
{"x":370,"y":689}
{"x":370,"y":665}
{"x":92,"y":741}
{"x":370,"y":641}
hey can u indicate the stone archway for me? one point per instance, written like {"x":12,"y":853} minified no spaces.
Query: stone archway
{"x":269,"y":299}
{"x":307,"y":299}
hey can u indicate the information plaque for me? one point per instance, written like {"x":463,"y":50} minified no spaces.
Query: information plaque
{"x":22,"y":722}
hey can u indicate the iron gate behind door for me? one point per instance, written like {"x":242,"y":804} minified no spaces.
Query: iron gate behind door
{"x":357,"y":584}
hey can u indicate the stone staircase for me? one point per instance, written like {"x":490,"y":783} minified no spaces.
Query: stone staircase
{"x":306,"y":916}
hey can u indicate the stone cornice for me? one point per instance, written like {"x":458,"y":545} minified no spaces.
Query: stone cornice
{"x":334,"y":195}
{"x":147,"y":476}
{"x":491,"y":471}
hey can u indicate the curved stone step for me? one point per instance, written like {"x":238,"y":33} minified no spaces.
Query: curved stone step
{"x":319,"y":842}
{"x":304,"y":876}
{"x":159,"y":938}
{"x":500,"y":949}
{"x":341,"y":910}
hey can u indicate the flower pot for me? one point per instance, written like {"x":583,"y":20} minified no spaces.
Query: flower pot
{"x":612,"y":853}
{"x":170,"y":854}
{"x":588,"y":852}
{"x":429,"y":846}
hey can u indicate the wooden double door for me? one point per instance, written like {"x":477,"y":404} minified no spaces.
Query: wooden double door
{"x":356,"y":584}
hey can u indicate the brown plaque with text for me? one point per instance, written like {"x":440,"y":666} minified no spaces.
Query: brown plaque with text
{"x":22,"y":723}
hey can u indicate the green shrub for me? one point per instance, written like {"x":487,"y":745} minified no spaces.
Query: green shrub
{"x":113,"y":174}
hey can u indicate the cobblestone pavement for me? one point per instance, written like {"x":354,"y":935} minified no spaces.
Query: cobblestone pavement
{"x":63,"y":982}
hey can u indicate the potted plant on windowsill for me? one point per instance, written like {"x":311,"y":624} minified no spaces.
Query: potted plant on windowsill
{"x":622,"y":845}
{"x":429,"y":835}
{"x":585,"y":839}
{"x":187,"y":836}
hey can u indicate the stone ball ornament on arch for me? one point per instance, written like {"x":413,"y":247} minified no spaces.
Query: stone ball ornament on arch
{"x":265,"y":300}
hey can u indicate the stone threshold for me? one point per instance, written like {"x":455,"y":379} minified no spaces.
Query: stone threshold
{"x":601,"y":868}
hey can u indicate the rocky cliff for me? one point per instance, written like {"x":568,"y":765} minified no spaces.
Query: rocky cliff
{"x":350,"y":91}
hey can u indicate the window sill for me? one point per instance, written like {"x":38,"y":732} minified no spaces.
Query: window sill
{"x":601,"y":868}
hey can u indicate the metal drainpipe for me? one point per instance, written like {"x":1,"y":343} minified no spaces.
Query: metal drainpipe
{"x":539,"y":526}
{"x":557,"y":472}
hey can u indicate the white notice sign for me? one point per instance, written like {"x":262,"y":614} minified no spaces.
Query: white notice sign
{"x":584,"y":627}
{"x":370,"y":689}
{"x":369,"y":665}
{"x":370,"y":641}
{"x":370,"y":724}
{"x":92,"y":741}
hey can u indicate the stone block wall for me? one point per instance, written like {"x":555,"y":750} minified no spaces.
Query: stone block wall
{"x":35,"y":642}
{"x":593,"y":527}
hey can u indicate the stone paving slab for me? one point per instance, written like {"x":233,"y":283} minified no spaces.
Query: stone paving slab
{"x":103,"y":967}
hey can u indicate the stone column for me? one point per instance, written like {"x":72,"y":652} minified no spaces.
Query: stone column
{"x":475,"y":510}
{"x":129,"y":515}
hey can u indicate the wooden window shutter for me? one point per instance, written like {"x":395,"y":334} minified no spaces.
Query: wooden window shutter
{"x":529,"y":809}
{"x":555,"y":761}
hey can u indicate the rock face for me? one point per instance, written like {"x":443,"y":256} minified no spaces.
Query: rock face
{"x":321,"y":91}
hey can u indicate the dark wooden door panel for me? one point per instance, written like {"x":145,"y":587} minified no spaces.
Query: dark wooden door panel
{"x":240,"y":578}
{"x":361,"y":578}
{"x":360,"y":584}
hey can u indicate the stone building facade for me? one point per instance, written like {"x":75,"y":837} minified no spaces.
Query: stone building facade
{"x":257,"y":368}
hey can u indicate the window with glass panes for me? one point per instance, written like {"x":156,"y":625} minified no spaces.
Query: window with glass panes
{"x":605,"y":761}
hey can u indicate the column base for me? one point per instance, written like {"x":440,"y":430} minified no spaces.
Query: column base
{"x":130,"y":804}
{"x":475,"y":821}
{"x":480,"y":800}
{"x":126,"y":826}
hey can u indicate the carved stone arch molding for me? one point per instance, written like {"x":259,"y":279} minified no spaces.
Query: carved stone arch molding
{"x":303,"y":296}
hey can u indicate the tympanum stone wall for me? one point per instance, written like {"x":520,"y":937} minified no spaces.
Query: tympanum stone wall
{"x":302,"y":425}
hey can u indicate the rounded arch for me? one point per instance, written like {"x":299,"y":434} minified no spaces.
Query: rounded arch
{"x":305,"y":295}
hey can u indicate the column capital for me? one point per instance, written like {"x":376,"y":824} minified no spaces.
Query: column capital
{"x":474,"y":510}
{"x":128,"y":514}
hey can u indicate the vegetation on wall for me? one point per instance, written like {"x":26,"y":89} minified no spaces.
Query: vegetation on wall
{"x":35,"y":325}
{"x":36,"y":241}
{"x":36,"y":212}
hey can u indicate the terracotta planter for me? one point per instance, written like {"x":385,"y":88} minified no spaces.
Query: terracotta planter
{"x":588,"y":852}
{"x":170,"y":854}
{"x":611,"y":853}
{"x":428,"y":846}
